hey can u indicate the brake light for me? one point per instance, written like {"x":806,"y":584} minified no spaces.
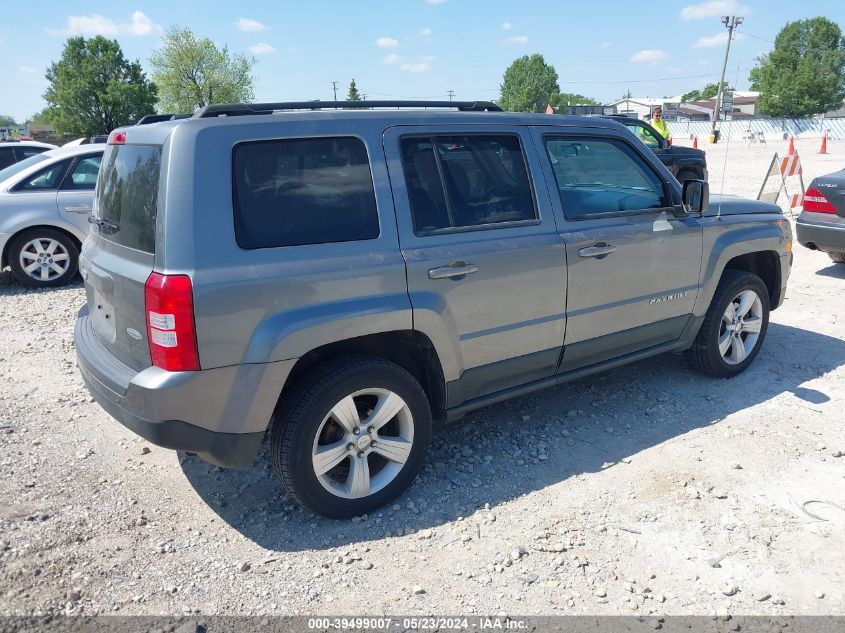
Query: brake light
{"x":117,"y":138}
{"x":815,"y":202}
{"x":171,"y":334}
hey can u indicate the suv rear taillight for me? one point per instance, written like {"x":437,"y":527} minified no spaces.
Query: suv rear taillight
{"x":815,"y":202}
{"x":169,"y":304}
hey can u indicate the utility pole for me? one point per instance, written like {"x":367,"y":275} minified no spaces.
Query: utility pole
{"x":451,"y":94}
{"x":334,"y":87}
{"x":731,"y":23}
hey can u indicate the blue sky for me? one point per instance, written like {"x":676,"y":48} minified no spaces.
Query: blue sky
{"x":416,"y":48}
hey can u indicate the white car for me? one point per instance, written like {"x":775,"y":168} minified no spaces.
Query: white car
{"x":45,"y":202}
{"x":12,"y":152}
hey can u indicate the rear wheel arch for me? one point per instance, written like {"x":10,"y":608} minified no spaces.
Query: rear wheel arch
{"x":4,"y":256}
{"x":410,"y":349}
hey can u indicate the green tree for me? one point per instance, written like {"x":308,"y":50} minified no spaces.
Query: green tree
{"x":571,"y":99}
{"x":353,"y":94}
{"x":192,"y":72}
{"x":709,"y":91}
{"x":94,"y":88}
{"x":8,"y":121}
{"x":804,"y":74}
{"x":38,"y":117}
{"x":529,"y":85}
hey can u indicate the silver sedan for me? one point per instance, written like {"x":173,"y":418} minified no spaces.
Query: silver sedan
{"x":45,"y":202}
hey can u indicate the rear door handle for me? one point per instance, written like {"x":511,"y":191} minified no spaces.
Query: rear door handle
{"x":80,"y":209}
{"x":457,"y":269}
{"x":599,"y":250}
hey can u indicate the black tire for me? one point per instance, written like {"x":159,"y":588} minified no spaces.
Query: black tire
{"x":300,"y":416}
{"x":19,"y":242}
{"x":688,"y":174}
{"x":839,"y":258}
{"x":704,"y":355}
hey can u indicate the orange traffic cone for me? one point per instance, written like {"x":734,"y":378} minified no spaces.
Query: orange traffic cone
{"x":695,"y":143}
{"x":823,"y":149}
{"x":791,"y":145}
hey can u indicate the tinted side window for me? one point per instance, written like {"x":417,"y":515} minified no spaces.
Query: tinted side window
{"x":602,"y":175}
{"x":29,"y":150}
{"x":303,"y":191}
{"x":464,"y":181}
{"x":644,"y":134}
{"x":7,"y":157}
{"x":83,"y":175}
{"x":44,"y":180}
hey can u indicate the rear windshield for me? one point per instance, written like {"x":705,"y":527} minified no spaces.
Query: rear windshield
{"x":127,"y":189}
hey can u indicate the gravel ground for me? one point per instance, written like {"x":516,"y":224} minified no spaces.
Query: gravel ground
{"x":647,"y":489}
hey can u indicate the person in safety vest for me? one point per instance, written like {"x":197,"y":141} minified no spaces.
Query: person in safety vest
{"x":658,"y":123}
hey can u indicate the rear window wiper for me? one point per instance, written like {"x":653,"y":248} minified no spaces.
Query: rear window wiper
{"x":106,"y":226}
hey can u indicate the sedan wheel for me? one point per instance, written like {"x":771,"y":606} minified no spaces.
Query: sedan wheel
{"x":44,"y":259}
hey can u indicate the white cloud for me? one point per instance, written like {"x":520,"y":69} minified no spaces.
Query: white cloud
{"x":506,"y":26}
{"x":720,"y":39}
{"x":425,"y":32}
{"x":261,"y":48}
{"x":416,"y":68}
{"x":28,"y":70}
{"x":435,"y":1}
{"x":515,"y":39}
{"x":96,"y":24}
{"x":387,"y":42}
{"x":649,"y":55}
{"x":392,"y":58}
{"x":245,"y":24}
{"x":714,"y":8}
{"x":605,"y":44}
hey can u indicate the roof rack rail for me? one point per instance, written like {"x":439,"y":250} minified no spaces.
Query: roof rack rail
{"x":157,"y":118}
{"x":240,"y":109}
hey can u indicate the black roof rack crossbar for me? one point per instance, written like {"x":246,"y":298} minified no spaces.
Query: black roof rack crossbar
{"x":157,"y":118}
{"x":239,"y":109}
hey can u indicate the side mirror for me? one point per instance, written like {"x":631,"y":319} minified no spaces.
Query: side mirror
{"x":696,"y":196}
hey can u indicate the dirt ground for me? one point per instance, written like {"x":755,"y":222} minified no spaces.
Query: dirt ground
{"x":647,"y":489}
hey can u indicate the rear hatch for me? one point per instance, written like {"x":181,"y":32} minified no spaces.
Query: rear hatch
{"x":119,"y":254}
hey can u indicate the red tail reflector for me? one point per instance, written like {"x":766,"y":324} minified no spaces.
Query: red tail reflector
{"x":117,"y":138}
{"x":169,"y":301}
{"x":815,"y":202}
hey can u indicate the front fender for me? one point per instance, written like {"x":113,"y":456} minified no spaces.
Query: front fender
{"x":294,"y":333}
{"x":727,"y":237}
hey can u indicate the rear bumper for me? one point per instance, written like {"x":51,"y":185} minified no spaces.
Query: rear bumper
{"x":220,"y":414}
{"x":826,"y":236}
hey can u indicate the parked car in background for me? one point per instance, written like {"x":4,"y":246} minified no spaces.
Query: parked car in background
{"x":348,"y":279}
{"x":45,"y":202}
{"x":12,"y":152}
{"x":821,"y":225}
{"x":685,"y":163}
{"x":100,"y":138}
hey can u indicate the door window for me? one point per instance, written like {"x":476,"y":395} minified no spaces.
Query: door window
{"x":465,"y":181}
{"x":597,"y":176}
{"x":644,"y":134}
{"x":44,"y":180}
{"x":83,"y":176}
{"x":7,"y":157}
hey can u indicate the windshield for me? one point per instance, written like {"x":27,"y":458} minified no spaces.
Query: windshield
{"x":17,"y":168}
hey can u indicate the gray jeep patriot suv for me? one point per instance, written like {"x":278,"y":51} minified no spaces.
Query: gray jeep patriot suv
{"x":350,"y":278}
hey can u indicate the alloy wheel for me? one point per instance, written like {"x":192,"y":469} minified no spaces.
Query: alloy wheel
{"x":363,"y":443}
{"x":44,"y":259}
{"x":740,"y":327}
